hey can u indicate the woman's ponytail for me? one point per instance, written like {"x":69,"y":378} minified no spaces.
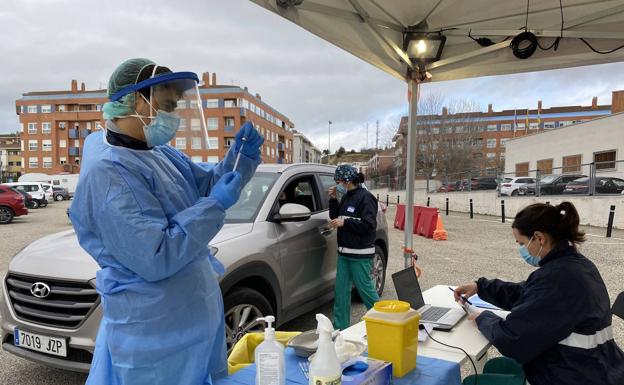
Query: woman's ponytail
{"x":569,"y":225}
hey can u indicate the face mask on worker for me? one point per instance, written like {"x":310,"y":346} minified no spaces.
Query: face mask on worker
{"x":527,"y":256}
{"x":341,"y":188}
{"x":162,"y":128}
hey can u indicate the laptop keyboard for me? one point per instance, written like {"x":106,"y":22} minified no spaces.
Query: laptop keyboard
{"x":434,"y":313}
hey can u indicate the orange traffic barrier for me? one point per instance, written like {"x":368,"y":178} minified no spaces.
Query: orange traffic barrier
{"x":440,"y":234}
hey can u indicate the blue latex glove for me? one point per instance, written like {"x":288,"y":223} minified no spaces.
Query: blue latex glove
{"x":228,"y":189}
{"x":251,"y":147}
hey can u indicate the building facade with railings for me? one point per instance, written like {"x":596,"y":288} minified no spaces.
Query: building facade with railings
{"x":493,"y":129}
{"x":54,"y":125}
{"x":10,"y":158}
{"x":304,"y":150}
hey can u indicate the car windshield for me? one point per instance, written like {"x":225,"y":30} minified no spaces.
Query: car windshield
{"x":548,"y":179}
{"x":251,"y":198}
{"x":45,"y":187}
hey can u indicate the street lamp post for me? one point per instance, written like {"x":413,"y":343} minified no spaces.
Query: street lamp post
{"x":329,"y":123}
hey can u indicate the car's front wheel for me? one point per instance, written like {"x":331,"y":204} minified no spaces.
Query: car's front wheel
{"x":34,"y":204}
{"x":514,"y":193}
{"x":6,"y":215}
{"x":44,"y":203}
{"x":59,"y":198}
{"x":242,"y":307}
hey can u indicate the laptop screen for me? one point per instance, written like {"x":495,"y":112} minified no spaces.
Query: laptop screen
{"x":407,"y":288}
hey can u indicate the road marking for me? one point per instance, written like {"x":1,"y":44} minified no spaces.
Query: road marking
{"x":602,"y":236}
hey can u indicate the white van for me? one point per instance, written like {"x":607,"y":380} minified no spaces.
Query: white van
{"x":68,"y":181}
{"x":36,"y":191}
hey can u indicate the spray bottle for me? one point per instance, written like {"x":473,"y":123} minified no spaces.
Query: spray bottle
{"x":325,"y":368}
{"x":270,"y":367}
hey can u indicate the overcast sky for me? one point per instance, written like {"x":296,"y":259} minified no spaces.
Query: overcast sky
{"x":46,"y":43}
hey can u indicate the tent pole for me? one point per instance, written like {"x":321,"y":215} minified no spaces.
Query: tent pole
{"x":413,"y":91}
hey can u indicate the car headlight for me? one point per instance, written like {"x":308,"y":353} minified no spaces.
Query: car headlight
{"x":213,"y":250}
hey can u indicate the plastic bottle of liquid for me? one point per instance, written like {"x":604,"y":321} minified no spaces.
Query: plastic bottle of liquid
{"x":270,"y":367}
{"x":325,"y":368}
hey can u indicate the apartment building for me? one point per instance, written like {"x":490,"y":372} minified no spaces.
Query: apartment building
{"x":10,"y":158}
{"x":54,"y":124}
{"x":304,"y":150}
{"x":490,"y":131}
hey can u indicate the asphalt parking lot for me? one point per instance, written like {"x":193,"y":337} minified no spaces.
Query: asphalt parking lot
{"x":477,"y":247}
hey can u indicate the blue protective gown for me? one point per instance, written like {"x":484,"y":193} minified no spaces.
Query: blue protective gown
{"x":146,"y":218}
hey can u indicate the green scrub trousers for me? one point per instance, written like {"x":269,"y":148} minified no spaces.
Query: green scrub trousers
{"x":352,"y":271}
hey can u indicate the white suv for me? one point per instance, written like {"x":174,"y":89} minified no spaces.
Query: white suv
{"x":510,"y":186}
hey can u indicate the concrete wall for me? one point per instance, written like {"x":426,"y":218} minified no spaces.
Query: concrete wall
{"x":596,"y":135}
{"x":594,"y":211}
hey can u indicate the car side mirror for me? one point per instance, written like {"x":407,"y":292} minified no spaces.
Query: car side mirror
{"x":292,"y":212}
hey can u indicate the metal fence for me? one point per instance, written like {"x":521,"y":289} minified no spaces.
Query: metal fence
{"x":590,"y":179}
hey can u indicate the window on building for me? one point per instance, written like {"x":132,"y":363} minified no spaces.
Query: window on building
{"x":181,"y":104}
{"x":229,"y":103}
{"x":212,"y":124}
{"x":62,"y":143}
{"x":61,"y":108}
{"x":33,"y":162}
{"x":76,"y":143}
{"x":195,"y":125}
{"x":193,"y":103}
{"x":46,"y":127}
{"x":212,"y":103}
{"x":180,"y":143}
{"x":213,"y":143}
{"x":520,"y":126}
{"x":62,"y":125}
{"x":33,"y":145}
{"x":506,"y":127}
{"x":491,"y":155}
{"x":47,"y":162}
{"x":565,"y":123}
{"x":533,"y":125}
{"x":571,"y":163}
{"x":492,"y":127}
{"x":605,"y":160}
{"x":31,"y":109}
{"x":503,"y":142}
{"x":196,"y":143}
{"x":46,"y":109}
{"x":228,"y":121}
{"x":46,"y":145}
{"x":268,"y":153}
{"x":182,"y":124}
{"x":229,"y":142}
{"x":491,"y":143}
{"x":545,"y":166}
{"x":212,"y":159}
{"x":63,"y":160}
{"x":32,"y":128}
{"x":549,"y":125}
{"x":436,"y":130}
{"x":197,"y":158}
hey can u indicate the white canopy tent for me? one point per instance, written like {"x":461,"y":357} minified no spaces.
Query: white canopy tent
{"x":478,"y":36}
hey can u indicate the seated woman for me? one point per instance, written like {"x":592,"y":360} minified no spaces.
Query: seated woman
{"x":559,"y":327}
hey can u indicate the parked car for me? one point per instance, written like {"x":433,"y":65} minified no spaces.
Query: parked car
{"x":511,"y":186}
{"x":450,"y":187}
{"x":280,"y":259}
{"x":550,"y":184}
{"x":48,"y":190}
{"x":61,"y":194}
{"x":28,"y":201}
{"x":36,"y":191}
{"x":483,"y":183}
{"x":12,"y":204}
{"x":604,"y":185}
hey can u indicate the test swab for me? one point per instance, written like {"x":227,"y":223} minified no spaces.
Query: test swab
{"x":239,"y":153}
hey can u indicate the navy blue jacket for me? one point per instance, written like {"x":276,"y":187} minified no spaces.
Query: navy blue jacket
{"x":559,"y":327}
{"x":356,"y":238}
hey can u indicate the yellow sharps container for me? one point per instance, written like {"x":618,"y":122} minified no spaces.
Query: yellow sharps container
{"x":392,"y":333}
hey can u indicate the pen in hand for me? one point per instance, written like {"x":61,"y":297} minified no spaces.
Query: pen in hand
{"x":461,"y":296}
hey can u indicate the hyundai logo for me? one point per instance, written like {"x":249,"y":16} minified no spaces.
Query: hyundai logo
{"x":40,"y":290}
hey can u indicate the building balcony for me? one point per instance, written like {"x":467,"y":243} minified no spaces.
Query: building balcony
{"x":74,"y":151}
{"x":280,"y":160}
{"x":84,"y":132}
{"x":281,"y":146}
{"x":73,"y":133}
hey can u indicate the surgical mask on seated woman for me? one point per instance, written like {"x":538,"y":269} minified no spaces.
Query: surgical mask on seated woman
{"x":527,"y":256}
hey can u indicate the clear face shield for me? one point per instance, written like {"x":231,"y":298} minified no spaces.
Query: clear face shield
{"x":175,"y":114}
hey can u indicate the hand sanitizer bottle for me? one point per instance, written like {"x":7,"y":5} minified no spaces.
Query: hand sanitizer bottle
{"x":325,"y":368}
{"x":270,"y":367}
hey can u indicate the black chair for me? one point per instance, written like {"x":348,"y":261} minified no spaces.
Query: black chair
{"x":618,"y":306}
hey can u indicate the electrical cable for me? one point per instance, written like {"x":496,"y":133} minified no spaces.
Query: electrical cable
{"x":454,"y":347}
{"x":600,"y":52}
{"x":555,"y":43}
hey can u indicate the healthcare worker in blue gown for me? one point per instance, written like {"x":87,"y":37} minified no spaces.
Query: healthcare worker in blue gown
{"x":146,"y":214}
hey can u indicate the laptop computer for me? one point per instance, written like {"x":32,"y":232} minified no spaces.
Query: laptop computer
{"x":408,"y":290}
